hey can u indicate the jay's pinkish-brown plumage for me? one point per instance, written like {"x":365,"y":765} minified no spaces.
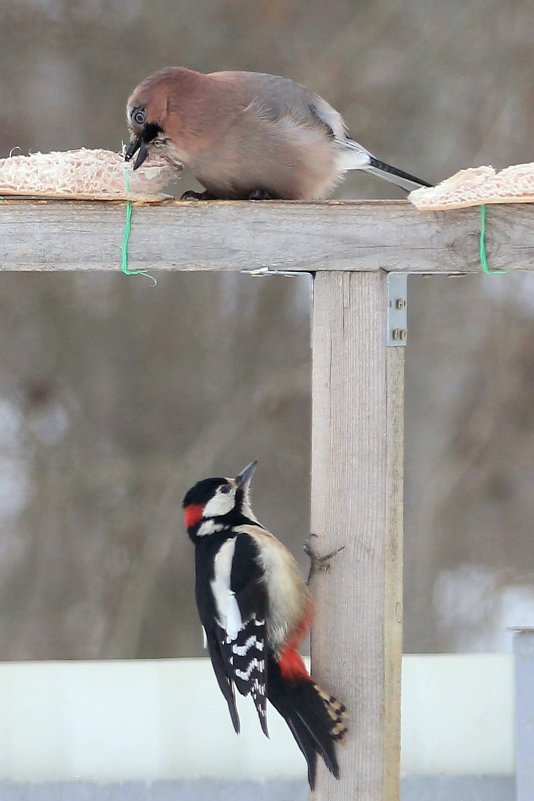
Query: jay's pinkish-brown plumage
{"x":248,"y":135}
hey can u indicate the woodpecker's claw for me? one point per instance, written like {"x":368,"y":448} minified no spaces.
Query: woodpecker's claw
{"x":318,"y":562}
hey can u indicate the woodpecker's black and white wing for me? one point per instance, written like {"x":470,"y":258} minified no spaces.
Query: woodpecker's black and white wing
{"x":245,"y":658}
{"x":224,"y":681}
{"x":241,"y":603}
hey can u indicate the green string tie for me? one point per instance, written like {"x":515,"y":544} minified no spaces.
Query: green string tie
{"x":483,"y":258}
{"x":126,"y":236}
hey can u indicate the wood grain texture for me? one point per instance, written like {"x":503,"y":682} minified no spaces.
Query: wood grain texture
{"x":356,"y":496}
{"x":310,"y":237}
{"x":393,"y":570}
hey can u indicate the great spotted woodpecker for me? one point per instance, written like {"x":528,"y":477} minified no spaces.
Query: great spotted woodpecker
{"x":255,"y":608}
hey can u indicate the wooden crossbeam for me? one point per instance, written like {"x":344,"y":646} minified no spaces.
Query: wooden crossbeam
{"x":361,"y":236}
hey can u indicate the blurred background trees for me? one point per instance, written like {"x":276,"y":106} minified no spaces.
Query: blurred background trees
{"x":115,"y":397}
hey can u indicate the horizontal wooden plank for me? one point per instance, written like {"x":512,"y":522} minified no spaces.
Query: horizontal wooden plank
{"x":336,"y":235}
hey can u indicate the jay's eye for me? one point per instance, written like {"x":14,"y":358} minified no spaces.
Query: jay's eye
{"x":225,"y":489}
{"x":139,"y":116}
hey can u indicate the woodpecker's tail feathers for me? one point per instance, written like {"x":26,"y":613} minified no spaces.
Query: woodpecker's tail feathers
{"x":315,"y":718}
{"x":394,"y":175}
{"x":337,"y":712}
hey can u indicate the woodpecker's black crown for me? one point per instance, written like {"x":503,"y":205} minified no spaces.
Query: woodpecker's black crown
{"x":203,"y":491}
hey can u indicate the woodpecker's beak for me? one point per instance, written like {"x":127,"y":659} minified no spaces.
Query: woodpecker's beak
{"x":134,"y":146}
{"x":245,"y":476}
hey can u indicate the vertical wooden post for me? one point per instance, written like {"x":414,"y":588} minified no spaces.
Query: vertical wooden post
{"x":357,"y":453}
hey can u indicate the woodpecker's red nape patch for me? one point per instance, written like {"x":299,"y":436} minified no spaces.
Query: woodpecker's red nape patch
{"x":193,"y":514}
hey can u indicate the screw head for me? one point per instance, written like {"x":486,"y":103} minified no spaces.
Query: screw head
{"x":399,"y":333}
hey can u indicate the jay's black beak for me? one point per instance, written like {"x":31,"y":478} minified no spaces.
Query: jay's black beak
{"x":134,"y":146}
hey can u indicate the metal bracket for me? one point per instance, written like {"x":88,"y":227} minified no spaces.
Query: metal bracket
{"x":397,"y":310}
{"x":261,"y":272}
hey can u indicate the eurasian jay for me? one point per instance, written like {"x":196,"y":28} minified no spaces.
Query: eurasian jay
{"x":248,"y":135}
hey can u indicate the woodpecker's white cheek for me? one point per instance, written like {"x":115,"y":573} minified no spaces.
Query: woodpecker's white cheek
{"x":219,"y":505}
